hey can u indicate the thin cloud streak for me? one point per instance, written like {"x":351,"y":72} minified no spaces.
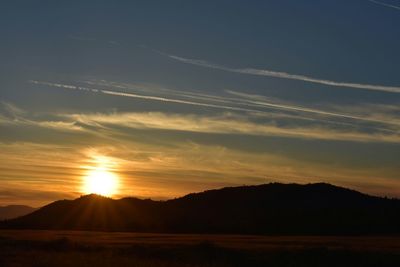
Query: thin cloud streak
{"x":284,"y":75}
{"x":108,"y":125}
{"x":250,"y":101}
{"x":261,"y":102}
{"x":385,"y":4}
{"x":227,"y":124}
{"x":246,"y":101}
{"x":146,"y":97}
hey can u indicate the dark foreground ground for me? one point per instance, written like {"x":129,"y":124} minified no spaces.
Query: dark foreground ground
{"x":74,"y":248}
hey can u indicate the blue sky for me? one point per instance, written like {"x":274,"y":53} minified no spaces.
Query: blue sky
{"x":184,"y":96}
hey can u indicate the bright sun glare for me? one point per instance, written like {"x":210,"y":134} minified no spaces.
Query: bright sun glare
{"x":100,"y":180}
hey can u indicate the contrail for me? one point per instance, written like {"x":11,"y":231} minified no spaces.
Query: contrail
{"x":385,"y":4}
{"x":249,"y":102}
{"x":156,"y":98}
{"x":283,"y":75}
{"x":247,"y":105}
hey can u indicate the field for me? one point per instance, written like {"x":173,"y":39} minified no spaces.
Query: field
{"x":79,"y":248}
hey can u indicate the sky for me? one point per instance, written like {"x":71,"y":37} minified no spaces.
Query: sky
{"x":164,"y":98}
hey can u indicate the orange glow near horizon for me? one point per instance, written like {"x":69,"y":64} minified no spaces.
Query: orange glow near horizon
{"x":100,"y":179}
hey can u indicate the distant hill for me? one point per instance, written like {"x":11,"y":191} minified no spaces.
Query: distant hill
{"x":13,"y":211}
{"x":310,"y":209}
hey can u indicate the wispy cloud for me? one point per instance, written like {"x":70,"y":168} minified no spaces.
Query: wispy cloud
{"x":229,"y":124}
{"x":11,"y":109}
{"x":16,"y":116}
{"x":262,"y":105}
{"x":284,"y":75}
{"x":385,"y":4}
{"x":261,"y":101}
{"x":146,"y":97}
{"x":243,"y":102}
{"x":244,"y":114}
{"x":108,"y":126}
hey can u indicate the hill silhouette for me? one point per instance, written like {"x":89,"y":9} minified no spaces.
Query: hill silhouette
{"x":13,"y":211}
{"x":320,"y":209}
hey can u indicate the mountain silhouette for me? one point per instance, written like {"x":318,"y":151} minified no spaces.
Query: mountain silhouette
{"x":13,"y":211}
{"x":263,"y":209}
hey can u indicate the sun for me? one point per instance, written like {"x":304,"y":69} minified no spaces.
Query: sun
{"x":100,"y":180}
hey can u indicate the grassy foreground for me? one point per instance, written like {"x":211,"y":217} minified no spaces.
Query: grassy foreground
{"x":67,"y":249}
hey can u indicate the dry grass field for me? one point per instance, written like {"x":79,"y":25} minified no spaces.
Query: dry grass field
{"x":79,"y":248}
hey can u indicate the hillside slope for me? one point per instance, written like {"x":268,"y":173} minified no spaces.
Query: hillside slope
{"x":13,"y":211}
{"x":263,"y":209}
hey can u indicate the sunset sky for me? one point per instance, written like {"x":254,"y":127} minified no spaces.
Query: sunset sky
{"x":164,"y":98}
